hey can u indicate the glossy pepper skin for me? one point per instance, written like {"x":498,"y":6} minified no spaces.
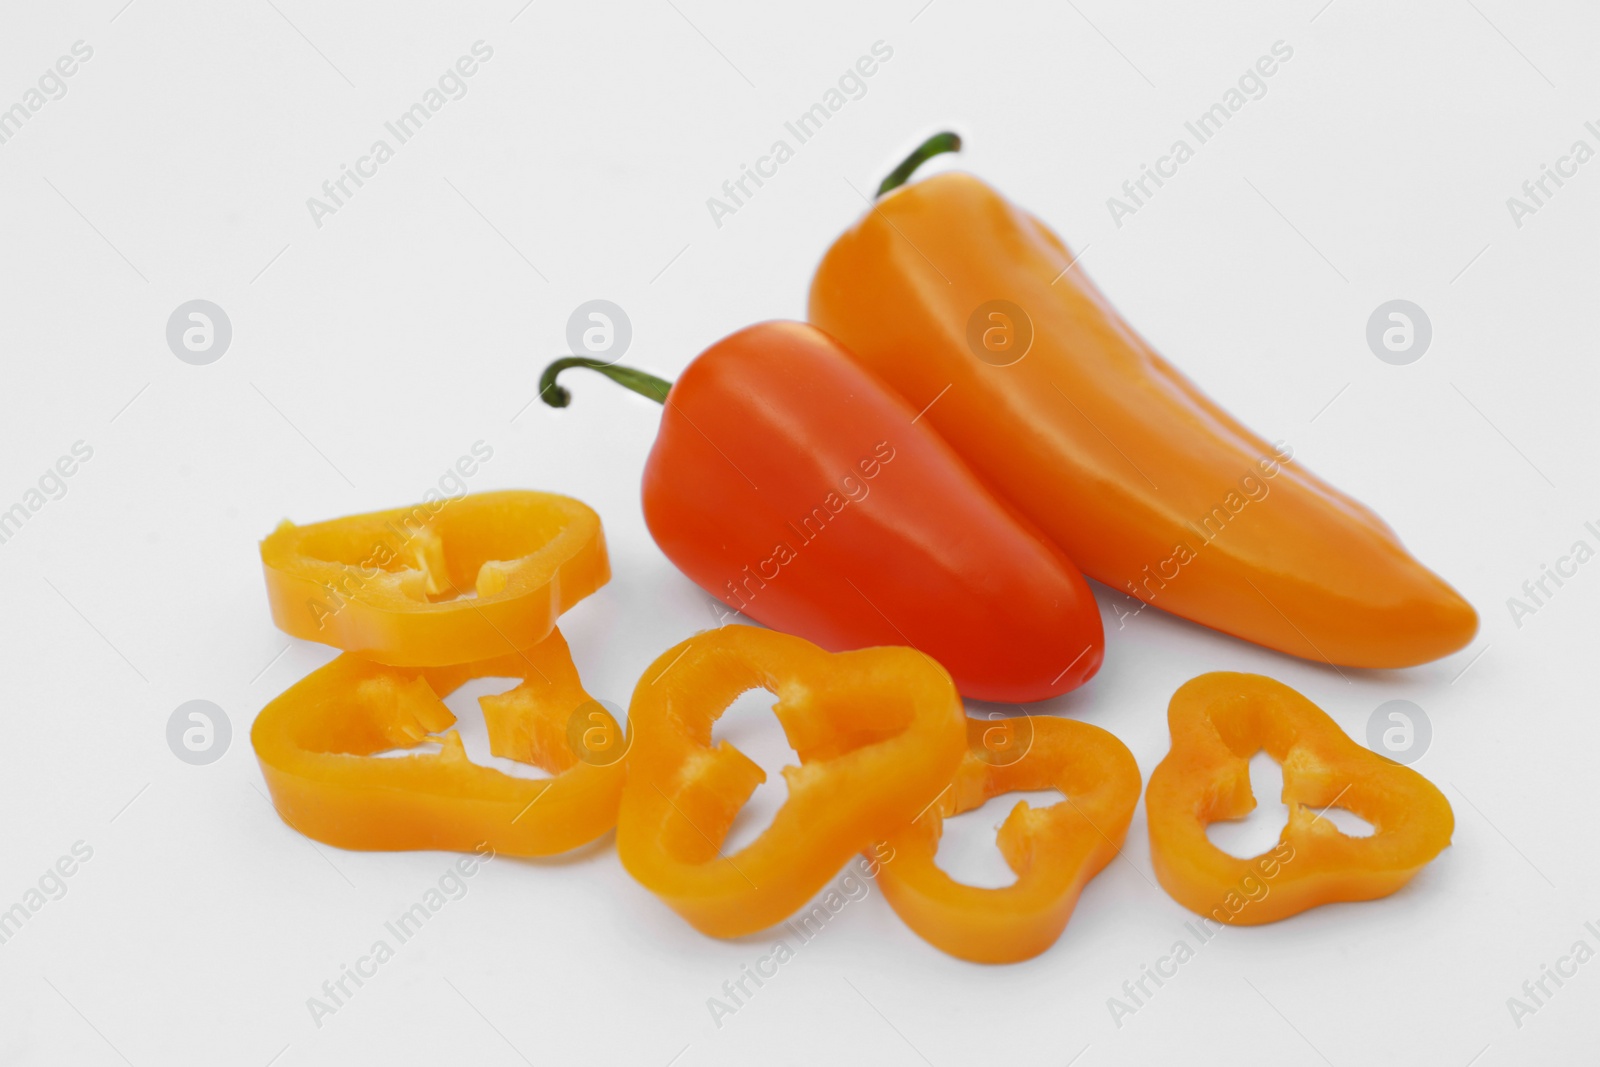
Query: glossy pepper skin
{"x":1055,"y":851}
{"x":1142,"y":480}
{"x":316,"y":744}
{"x":1218,"y":721}
{"x":796,"y":488}
{"x":388,"y":585}
{"x":879,"y":732}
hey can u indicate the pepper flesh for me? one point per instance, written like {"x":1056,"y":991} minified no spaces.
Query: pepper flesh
{"x":1218,"y":721}
{"x":316,"y":744}
{"x":878,"y":731}
{"x":388,"y":585}
{"x":1055,"y":851}
{"x":1118,"y":458}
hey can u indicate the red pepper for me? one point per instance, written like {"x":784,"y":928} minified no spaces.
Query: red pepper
{"x":795,"y":487}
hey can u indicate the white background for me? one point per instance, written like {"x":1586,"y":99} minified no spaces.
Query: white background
{"x":370,"y":353}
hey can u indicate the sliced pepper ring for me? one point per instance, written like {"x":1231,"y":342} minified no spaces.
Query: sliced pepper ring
{"x":1218,"y":721}
{"x":878,"y":731}
{"x":316,"y":745}
{"x":1055,"y":850}
{"x":390,"y":585}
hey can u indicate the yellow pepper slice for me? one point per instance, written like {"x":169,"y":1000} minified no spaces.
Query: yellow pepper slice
{"x":1218,"y":721}
{"x":1055,"y":851}
{"x":316,"y":745}
{"x":879,"y":733}
{"x":451,"y":581}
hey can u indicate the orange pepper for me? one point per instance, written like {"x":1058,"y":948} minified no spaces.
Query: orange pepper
{"x":978,"y":315}
{"x":316,"y":742}
{"x":1218,"y":721}
{"x":879,"y":733}
{"x":389,"y":585}
{"x":1055,"y":851}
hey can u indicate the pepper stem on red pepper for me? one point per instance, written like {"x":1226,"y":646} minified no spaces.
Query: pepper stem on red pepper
{"x":641,"y":382}
{"x":938,"y":144}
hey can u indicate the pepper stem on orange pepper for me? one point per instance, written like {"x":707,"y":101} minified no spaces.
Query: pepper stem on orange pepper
{"x":936,"y":145}
{"x":641,"y":382}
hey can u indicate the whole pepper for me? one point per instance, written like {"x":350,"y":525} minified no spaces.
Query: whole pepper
{"x":789,"y":483}
{"x":946,"y":290}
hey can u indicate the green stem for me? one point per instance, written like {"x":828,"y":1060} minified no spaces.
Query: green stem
{"x":938,"y":144}
{"x":639,"y":381}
